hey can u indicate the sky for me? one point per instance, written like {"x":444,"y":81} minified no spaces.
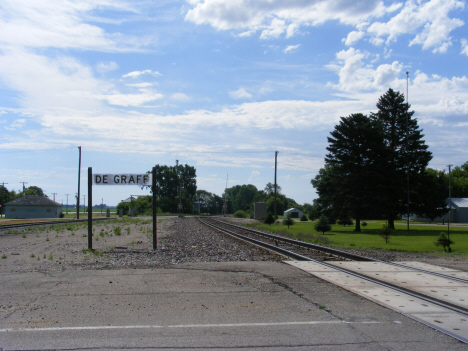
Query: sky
{"x":217,"y":84}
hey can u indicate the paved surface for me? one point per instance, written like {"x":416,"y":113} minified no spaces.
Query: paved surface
{"x":240,"y":305}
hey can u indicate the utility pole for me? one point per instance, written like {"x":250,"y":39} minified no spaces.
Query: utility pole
{"x":67,"y":202}
{"x":179,"y":205}
{"x":54,"y":195}
{"x":450,"y":207}
{"x":407,"y":153}
{"x":23,"y":186}
{"x":78,"y":195}
{"x":276,"y":163}
{"x":84,"y":204}
{"x":3,"y":184}
{"x":225,"y":198}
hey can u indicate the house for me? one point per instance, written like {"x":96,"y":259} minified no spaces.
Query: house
{"x":294,"y":212}
{"x":33,"y":207}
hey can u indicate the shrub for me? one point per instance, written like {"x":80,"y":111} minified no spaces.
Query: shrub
{"x":322,"y":225}
{"x":269,"y":219}
{"x":117,"y":231}
{"x":385,"y":232}
{"x":364,"y":224}
{"x":445,"y":242}
{"x":304,"y":218}
{"x":240,"y":214}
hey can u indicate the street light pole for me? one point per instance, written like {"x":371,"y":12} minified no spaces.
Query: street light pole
{"x":450,"y":206}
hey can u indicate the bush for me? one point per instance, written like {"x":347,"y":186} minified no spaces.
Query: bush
{"x":304,"y":218}
{"x":445,"y":242}
{"x":240,"y":214}
{"x":364,"y":224}
{"x":385,"y":232}
{"x":269,"y":219}
{"x":61,"y":215}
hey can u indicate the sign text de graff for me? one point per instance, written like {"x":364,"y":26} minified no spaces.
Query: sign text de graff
{"x":122,"y":179}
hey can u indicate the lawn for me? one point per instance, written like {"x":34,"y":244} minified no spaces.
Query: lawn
{"x":420,"y":237}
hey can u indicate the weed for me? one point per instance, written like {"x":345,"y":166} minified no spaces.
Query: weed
{"x":4,"y":256}
{"x":51,"y":257}
{"x":47,"y":239}
{"x":117,"y":231}
{"x":128,"y":230}
{"x":32,"y":255}
{"x":24,"y":235}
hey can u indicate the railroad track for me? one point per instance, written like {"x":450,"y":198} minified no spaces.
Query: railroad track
{"x":22,"y":225}
{"x":339,"y":261}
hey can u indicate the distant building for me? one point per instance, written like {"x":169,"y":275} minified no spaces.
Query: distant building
{"x":260,"y":210}
{"x":459,"y":212}
{"x":33,"y":207}
{"x":294,"y":212}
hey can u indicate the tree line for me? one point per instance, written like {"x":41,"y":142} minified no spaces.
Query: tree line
{"x":370,"y":162}
{"x":10,"y":195}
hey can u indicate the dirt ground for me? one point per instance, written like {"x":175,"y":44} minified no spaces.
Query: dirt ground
{"x":44,"y":248}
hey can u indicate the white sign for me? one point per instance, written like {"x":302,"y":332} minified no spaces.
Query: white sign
{"x":122,"y":179}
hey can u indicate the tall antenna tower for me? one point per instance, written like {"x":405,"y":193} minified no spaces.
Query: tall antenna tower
{"x":225,"y":197}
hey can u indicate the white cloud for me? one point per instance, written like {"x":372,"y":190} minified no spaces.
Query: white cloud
{"x":291,"y":48}
{"x":240,"y":94}
{"x":180,"y":97}
{"x":61,"y":24}
{"x":356,"y":75}
{"x":136,"y":74}
{"x":253,"y":176}
{"x":429,"y":18}
{"x":140,"y":85}
{"x":464,"y":45}
{"x":274,"y":18}
{"x":353,"y":37}
{"x":104,"y":67}
{"x":131,"y":99}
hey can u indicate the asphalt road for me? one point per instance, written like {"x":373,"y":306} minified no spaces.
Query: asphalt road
{"x":216,"y":306}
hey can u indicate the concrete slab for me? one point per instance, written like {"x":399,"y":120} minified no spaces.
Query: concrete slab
{"x":419,"y":309}
{"x":432,"y":268}
{"x":441,"y":288}
{"x":236,"y":305}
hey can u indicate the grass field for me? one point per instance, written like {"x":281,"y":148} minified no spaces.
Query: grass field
{"x":420,"y":237}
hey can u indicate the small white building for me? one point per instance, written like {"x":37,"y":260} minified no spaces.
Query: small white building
{"x":294,"y":212}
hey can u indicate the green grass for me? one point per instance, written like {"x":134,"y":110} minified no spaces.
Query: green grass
{"x":420,"y":238}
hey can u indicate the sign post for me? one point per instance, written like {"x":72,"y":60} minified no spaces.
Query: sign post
{"x":90,"y":208}
{"x":155,"y":210}
{"x":119,"y":179}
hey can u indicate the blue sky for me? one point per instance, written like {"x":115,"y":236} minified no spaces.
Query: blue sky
{"x":217,"y":84}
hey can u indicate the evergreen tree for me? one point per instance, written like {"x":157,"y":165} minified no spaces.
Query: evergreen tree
{"x":288,"y":221}
{"x":405,"y":154}
{"x":322,"y":225}
{"x":355,"y":159}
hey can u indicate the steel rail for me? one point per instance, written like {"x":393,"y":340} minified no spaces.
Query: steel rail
{"x":441,"y":303}
{"x":444,"y":304}
{"x":341,"y":253}
{"x":262,"y":244}
{"x":300,"y":243}
{"x":21,"y":225}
